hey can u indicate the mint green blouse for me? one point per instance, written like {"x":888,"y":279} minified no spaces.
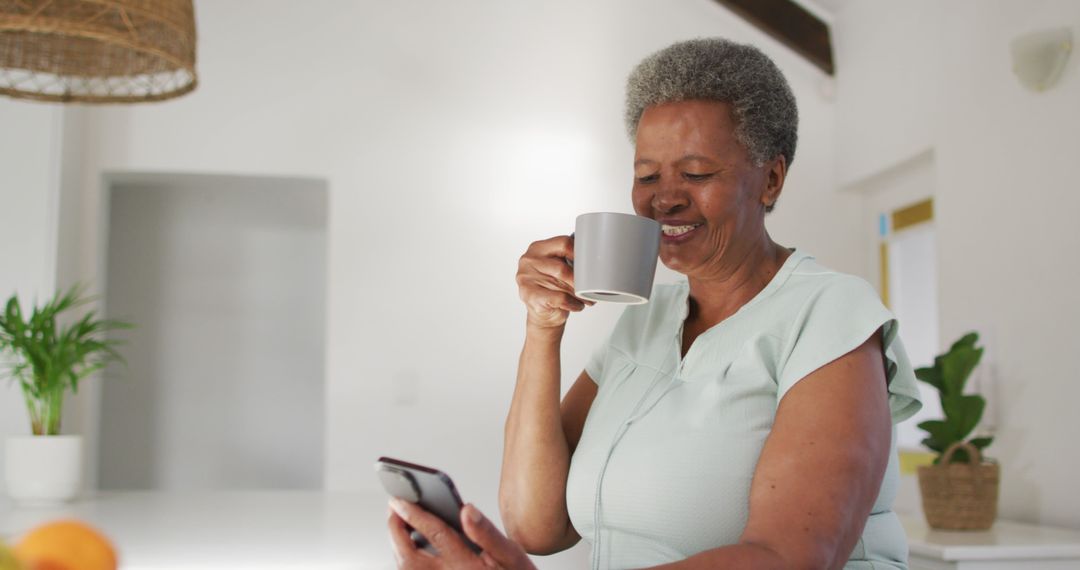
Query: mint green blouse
{"x":664,"y":465}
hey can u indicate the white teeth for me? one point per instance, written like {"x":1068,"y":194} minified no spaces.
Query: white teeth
{"x":676,"y":230}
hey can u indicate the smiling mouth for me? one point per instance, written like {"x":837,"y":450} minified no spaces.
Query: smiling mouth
{"x":676,"y":231}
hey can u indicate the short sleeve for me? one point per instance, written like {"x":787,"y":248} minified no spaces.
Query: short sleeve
{"x":837,"y":319}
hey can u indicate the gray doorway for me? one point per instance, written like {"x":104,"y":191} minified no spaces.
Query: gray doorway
{"x":225,"y":278}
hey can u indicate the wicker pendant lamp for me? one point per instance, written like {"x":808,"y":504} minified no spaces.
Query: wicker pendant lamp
{"x":97,"y":51}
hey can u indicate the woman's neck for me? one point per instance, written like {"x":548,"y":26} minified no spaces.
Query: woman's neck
{"x":716,"y":298}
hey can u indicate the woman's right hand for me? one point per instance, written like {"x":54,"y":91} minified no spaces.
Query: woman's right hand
{"x":546,"y":282}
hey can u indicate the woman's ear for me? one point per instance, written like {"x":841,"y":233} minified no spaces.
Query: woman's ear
{"x":774,"y":181}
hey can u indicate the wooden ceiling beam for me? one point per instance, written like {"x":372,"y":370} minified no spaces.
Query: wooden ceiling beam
{"x":792,"y":25}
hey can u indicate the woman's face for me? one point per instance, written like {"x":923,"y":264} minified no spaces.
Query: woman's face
{"x":693,"y":176}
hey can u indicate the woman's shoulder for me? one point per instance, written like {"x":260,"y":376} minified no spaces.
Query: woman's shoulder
{"x":819,"y":302}
{"x":810,"y":282}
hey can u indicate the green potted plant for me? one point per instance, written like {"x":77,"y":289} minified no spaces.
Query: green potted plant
{"x":48,"y":359}
{"x":960,"y":489}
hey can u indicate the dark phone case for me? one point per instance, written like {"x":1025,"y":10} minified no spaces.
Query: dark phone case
{"x":430,"y":488}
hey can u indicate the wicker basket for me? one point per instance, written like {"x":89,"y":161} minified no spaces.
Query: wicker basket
{"x":960,"y":496}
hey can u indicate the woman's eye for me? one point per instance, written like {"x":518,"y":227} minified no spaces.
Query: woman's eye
{"x":648,"y":178}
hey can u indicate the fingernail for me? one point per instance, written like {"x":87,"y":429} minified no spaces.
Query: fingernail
{"x":398,"y":506}
{"x":474,"y":514}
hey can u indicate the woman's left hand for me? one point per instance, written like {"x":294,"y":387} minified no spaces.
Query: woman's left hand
{"x":498,"y":550}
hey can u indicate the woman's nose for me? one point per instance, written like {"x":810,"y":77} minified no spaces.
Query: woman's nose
{"x":669,"y":198}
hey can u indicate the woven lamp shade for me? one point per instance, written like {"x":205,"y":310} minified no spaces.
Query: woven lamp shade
{"x":97,"y":51}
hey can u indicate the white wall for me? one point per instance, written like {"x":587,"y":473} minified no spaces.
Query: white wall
{"x":1005,"y":203}
{"x":29,"y":162}
{"x":888,"y":83}
{"x":452,"y":135}
{"x":224,"y":382}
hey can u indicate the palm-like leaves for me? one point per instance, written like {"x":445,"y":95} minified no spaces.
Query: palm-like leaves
{"x":47,"y":359}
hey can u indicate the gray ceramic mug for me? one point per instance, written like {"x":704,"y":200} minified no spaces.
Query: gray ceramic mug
{"x":615,"y":257}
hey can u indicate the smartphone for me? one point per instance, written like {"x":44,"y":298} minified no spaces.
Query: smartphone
{"x":430,"y":488}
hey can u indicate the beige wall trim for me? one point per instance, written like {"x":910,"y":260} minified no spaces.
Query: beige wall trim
{"x":884,"y":257}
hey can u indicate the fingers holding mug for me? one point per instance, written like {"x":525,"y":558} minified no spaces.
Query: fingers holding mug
{"x":548,"y":303}
{"x":546,"y":282}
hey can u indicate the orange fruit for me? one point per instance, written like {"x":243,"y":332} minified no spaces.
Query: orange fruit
{"x":66,"y":545}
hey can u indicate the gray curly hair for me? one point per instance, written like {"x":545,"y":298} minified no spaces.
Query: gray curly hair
{"x":766,"y":117}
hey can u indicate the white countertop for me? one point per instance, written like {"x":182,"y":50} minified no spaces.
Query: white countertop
{"x":271,"y":530}
{"x":314,"y":530}
{"x":1007,"y":540}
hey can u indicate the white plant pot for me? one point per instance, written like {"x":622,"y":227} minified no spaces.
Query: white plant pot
{"x":43,"y":469}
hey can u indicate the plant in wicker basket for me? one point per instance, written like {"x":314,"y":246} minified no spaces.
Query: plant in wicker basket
{"x":959,"y":491}
{"x":949,"y":375}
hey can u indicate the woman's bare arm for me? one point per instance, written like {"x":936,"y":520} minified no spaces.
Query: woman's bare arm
{"x":540,"y":438}
{"x":819,"y":472}
{"x":541,"y":432}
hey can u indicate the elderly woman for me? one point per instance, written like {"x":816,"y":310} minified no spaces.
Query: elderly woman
{"x":743,"y":418}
